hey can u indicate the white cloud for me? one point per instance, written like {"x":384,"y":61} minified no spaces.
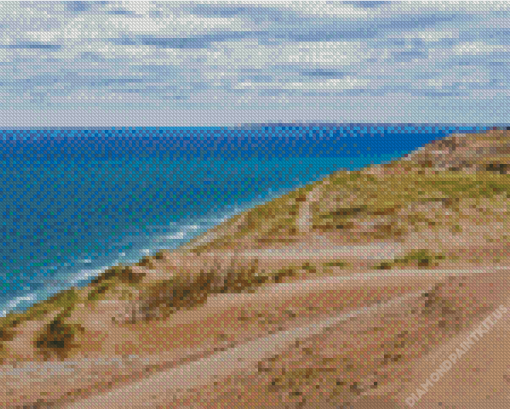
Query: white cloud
{"x":328,"y":9}
{"x":477,"y":48}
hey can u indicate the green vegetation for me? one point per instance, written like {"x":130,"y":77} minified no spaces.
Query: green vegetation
{"x":120,"y":273}
{"x":99,"y":291}
{"x":59,"y":337}
{"x":387,"y":201}
{"x":386,"y":195}
{"x":62,"y":300}
{"x":185,"y":290}
{"x":272,"y":222}
{"x":421,"y":258}
{"x":113,"y":278}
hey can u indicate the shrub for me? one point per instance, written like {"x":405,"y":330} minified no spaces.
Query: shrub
{"x":96,"y":292}
{"x":162,"y":298}
{"x":59,"y":337}
{"x":423,"y":258}
{"x":335,"y":264}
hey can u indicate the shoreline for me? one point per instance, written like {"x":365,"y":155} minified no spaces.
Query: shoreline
{"x":149,"y":250}
{"x":207,"y":235}
{"x":81,"y":276}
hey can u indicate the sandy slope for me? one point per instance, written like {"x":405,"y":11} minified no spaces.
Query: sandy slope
{"x":174,"y":387}
{"x":175,"y":383}
{"x":479,"y":377}
{"x":226,"y":320}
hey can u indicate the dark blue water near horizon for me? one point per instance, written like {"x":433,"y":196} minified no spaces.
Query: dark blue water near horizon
{"x":74,"y":201}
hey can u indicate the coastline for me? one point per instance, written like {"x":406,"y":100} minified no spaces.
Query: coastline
{"x":85,"y":269}
{"x":208,"y":233}
{"x":416,"y":213}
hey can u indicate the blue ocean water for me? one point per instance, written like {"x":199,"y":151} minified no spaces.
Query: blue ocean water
{"x":74,"y":201}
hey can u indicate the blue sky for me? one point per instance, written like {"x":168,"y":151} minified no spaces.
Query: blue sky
{"x":224,"y":63}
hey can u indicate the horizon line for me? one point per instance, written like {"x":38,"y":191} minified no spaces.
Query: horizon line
{"x":262,"y":124}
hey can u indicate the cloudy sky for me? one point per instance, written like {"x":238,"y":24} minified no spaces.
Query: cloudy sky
{"x":223,"y":63}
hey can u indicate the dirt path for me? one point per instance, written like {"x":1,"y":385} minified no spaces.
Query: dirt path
{"x":176,"y":381}
{"x":331,"y":251}
{"x":304,"y":219}
{"x":224,"y":321}
{"x":392,"y":332}
{"x":479,"y":377}
{"x":162,"y":388}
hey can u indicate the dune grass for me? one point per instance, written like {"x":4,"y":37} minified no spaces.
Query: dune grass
{"x":185,"y":290}
{"x":420,"y":258}
{"x":269,"y":223}
{"x":62,"y":300}
{"x":350,"y":197}
{"x":370,"y":195}
{"x":336,"y":263}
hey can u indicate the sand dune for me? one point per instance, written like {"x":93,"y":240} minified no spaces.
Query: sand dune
{"x":211,"y":381}
{"x":349,"y":291}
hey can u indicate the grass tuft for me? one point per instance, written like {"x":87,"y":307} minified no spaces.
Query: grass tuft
{"x":422,"y":258}
{"x":58,"y":338}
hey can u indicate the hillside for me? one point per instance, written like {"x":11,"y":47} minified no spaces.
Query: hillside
{"x":444,"y":205}
{"x":448,"y":186}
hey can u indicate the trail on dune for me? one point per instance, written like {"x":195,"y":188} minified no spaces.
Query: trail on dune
{"x":166,"y":386}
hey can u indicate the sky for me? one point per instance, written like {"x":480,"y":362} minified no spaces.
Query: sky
{"x":88,"y":64}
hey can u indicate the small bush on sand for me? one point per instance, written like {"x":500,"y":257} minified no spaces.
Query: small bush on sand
{"x":163,"y":298}
{"x":6,"y":334}
{"x":283,"y":273}
{"x":59,"y":337}
{"x":147,"y":261}
{"x":336,"y":264}
{"x":99,"y":291}
{"x":422,"y":258}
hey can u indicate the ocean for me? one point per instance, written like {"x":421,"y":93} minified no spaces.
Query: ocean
{"x":75,"y":201}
